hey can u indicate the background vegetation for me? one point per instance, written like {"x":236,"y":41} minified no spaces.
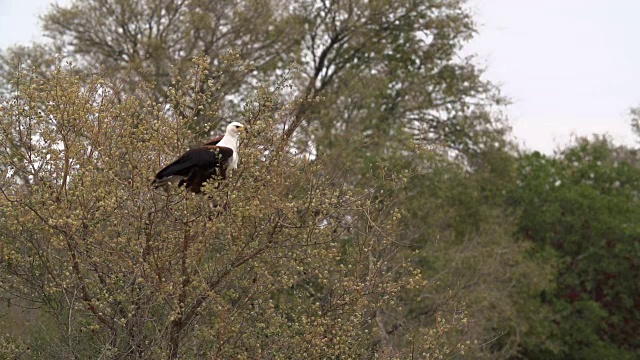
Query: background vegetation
{"x":379,"y":211}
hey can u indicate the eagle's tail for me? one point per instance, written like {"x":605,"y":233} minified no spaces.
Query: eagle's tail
{"x":174,"y":172}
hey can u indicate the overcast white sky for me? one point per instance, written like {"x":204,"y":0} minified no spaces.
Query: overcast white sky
{"x":570,"y":66}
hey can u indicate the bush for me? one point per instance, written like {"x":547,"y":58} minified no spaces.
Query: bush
{"x":280,"y":261}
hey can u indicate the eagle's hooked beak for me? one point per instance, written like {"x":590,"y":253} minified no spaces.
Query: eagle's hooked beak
{"x":243,"y":129}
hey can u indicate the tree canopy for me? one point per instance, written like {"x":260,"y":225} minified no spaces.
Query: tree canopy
{"x":380,"y":208}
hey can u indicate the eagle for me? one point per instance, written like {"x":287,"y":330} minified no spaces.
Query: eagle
{"x":211,"y":160}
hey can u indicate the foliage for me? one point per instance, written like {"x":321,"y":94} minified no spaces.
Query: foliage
{"x":40,"y":58}
{"x":635,"y":120}
{"x":279,"y":262}
{"x":379,"y":209}
{"x":463,"y":234}
{"x":583,"y":206}
{"x":372,"y":68}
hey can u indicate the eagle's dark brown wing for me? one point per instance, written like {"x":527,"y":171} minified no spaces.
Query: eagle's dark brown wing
{"x":214,"y":141}
{"x":196,"y":166}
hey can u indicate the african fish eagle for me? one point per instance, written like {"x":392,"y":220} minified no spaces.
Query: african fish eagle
{"x":213,"y":159}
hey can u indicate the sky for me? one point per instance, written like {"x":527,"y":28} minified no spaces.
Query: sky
{"x":570,"y":67}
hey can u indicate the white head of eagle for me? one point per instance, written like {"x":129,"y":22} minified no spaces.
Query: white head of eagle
{"x":211,"y":160}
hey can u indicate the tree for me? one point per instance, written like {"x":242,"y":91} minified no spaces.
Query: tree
{"x":17,"y":59}
{"x":635,"y":120}
{"x":387,"y":68}
{"x":155,"y":40}
{"x":582,"y":205}
{"x":368,"y":67}
{"x":373,"y":83}
{"x":461,"y":226}
{"x":295,"y":263}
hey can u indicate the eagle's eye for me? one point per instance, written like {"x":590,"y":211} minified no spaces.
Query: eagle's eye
{"x":237,"y":126}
